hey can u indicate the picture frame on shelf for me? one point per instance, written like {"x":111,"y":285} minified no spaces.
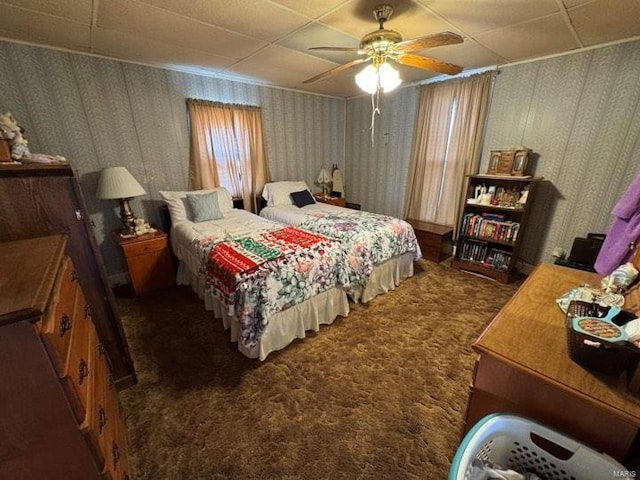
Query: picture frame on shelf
{"x":494,"y":161}
{"x":520,"y":163}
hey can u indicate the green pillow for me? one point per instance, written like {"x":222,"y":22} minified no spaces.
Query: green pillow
{"x":204,"y":207}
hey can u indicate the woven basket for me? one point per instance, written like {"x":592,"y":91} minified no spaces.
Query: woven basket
{"x":593,"y":353}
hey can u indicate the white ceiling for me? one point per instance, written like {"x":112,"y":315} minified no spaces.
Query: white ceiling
{"x":267,"y":41}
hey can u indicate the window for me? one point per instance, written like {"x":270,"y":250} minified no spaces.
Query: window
{"x":227,"y":148}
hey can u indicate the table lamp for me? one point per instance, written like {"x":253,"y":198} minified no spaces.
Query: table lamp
{"x":323,"y":179}
{"x":118,"y":183}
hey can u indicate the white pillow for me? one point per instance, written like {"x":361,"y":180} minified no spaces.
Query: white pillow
{"x":279,"y":193}
{"x":177,"y":202}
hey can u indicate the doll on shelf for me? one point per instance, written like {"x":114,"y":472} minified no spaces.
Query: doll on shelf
{"x":14,"y":133}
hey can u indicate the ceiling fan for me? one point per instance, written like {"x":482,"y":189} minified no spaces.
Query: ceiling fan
{"x":382,"y":45}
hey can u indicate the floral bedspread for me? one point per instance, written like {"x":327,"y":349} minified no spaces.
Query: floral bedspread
{"x":369,"y":239}
{"x":267,"y":272}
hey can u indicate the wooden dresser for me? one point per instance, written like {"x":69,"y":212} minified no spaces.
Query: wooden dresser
{"x":524,"y":368}
{"x":60,"y":414}
{"x":41,"y":200}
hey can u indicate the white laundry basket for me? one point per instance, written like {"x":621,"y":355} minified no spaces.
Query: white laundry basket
{"x":526,"y":446}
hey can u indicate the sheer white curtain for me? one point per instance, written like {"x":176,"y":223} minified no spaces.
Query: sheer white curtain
{"x":227,"y":149}
{"x":446,"y":147}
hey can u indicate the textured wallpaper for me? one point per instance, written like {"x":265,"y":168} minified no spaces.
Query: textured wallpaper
{"x":376,"y":172}
{"x":100,"y":113}
{"x":580,"y":114}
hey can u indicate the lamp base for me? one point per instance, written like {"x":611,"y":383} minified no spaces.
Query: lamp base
{"x":127,"y":218}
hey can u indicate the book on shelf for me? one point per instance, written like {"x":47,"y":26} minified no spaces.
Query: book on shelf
{"x":474,"y":250}
{"x":493,"y":216}
{"x":498,"y":259}
{"x":486,"y":227}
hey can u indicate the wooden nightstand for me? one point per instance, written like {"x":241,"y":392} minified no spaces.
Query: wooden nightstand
{"x":338,"y":201}
{"x":434,"y":240}
{"x":149,"y":261}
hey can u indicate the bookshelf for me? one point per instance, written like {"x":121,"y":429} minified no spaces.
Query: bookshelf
{"x":493,"y":224}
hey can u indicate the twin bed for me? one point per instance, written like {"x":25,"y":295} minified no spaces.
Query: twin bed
{"x":271,"y":278}
{"x":380,"y":249}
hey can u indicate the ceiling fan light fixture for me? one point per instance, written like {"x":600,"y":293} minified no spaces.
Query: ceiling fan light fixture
{"x":367,"y":79}
{"x":384,"y":77}
{"x":389,"y":77}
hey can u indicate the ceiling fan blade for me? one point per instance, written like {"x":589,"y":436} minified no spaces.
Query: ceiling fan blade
{"x":428,"y":41}
{"x":337,"y":69}
{"x":428,"y":64}
{"x":340,"y":49}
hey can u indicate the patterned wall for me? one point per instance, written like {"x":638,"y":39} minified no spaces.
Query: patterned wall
{"x":579,"y":113}
{"x":376,"y":172}
{"x":99,"y":113}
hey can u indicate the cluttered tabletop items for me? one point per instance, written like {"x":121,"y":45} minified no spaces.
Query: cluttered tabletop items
{"x":602,"y":335}
{"x":533,"y":362}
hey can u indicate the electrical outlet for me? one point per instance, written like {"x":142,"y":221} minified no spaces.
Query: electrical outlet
{"x":558,"y":252}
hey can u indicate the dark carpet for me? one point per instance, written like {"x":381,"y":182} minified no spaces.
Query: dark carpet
{"x":380,"y":394}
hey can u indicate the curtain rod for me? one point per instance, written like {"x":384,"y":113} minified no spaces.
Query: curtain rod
{"x":492,"y":72}
{"x":211,"y":103}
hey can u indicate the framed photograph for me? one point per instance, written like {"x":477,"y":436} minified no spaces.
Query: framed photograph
{"x":494,"y":161}
{"x":505,"y":165}
{"x":520,"y":162}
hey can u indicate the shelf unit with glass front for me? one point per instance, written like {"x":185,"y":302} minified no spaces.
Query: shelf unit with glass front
{"x":493,"y":224}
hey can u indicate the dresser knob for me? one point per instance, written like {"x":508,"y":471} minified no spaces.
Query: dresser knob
{"x":87,"y":311}
{"x":116,"y":454}
{"x":65,"y":324}
{"x":83,"y":370}
{"x":74,"y":276}
{"x":102,"y":418}
{"x":101,"y":350}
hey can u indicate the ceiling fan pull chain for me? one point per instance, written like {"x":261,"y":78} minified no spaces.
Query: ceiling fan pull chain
{"x":375,"y":99}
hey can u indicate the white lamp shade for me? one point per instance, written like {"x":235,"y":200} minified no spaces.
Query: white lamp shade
{"x":117,"y":182}
{"x":389,"y":77}
{"x":385,"y":77}
{"x":323,"y":177}
{"x":367,"y":79}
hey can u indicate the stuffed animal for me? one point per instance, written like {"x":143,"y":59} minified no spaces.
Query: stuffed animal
{"x":10,"y":130}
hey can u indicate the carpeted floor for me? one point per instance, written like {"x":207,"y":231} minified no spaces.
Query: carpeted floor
{"x":380,"y":394}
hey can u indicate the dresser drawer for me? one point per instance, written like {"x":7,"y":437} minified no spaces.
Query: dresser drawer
{"x":116,"y":460}
{"x":98,"y":419}
{"x":58,"y":322}
{"x":78,"y":374}
{"x":146,"y":246}
{"x":55,"y":379}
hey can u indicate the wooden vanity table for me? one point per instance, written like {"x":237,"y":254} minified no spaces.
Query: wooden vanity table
{"x":524,"y":368}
